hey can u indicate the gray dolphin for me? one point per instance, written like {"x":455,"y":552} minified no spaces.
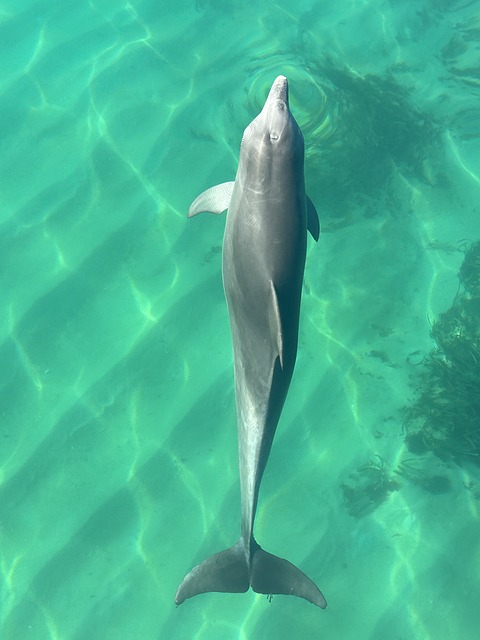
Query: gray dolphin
{"x":263,"y":263}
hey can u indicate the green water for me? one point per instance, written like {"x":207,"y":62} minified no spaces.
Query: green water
{"x":118,"y":464}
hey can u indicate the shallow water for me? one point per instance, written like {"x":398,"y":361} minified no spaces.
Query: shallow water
{"x":118,"y":461}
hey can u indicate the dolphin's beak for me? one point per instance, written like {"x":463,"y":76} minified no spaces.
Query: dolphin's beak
{"x":279,"y":90}
{"x":276,"y":111}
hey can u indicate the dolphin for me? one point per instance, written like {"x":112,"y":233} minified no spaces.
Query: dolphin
{"x":264,"y":250}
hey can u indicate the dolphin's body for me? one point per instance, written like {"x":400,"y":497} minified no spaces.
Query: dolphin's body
{"x":263,"y":263}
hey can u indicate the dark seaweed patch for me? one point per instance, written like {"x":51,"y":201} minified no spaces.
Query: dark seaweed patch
{"x":445,"y":416}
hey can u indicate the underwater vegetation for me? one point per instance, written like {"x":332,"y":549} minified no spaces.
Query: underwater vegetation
{"x":368,"y":129}
{"x":460,"y":58}
{"x":368,"y":487}
{"x":372,"y":483}
{"x":413,"y":470}
{"x":445,"y":417}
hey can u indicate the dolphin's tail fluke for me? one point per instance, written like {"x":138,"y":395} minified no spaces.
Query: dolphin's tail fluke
{"x":226,"y":571}
{"x":272,"y":575}
{"x":229,"y":572}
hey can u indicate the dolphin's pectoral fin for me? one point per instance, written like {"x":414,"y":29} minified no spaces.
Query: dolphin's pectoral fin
{"x":213,"y":200}
{"x":313,"y":223}
{"x":272,"y":575}
{"x":275,"y":322}
{"x":226,"y":572}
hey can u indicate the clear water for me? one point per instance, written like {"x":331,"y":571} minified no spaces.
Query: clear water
{"x":118,"y":461}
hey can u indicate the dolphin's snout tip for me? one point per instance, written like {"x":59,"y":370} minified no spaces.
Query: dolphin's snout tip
{"x":280,"y":88}
{"x":281,"y":82}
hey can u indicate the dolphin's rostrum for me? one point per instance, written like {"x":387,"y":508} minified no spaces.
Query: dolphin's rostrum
{"x":263,"y":263}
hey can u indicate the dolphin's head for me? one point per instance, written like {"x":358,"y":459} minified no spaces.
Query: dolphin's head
{"x":274,"y":127}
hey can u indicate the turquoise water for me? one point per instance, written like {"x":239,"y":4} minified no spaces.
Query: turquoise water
{"x":118,"y":465}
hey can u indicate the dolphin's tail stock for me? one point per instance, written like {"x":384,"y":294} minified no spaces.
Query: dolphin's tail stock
{"x":229,"y":572}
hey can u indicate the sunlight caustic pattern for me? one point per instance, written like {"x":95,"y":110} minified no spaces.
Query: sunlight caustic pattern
{"x":118,"y":454}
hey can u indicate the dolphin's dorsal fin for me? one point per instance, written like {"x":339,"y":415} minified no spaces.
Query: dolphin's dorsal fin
{"x":313,"y":223}
{"x":213,"y":200}
{"x":275,"y":321}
